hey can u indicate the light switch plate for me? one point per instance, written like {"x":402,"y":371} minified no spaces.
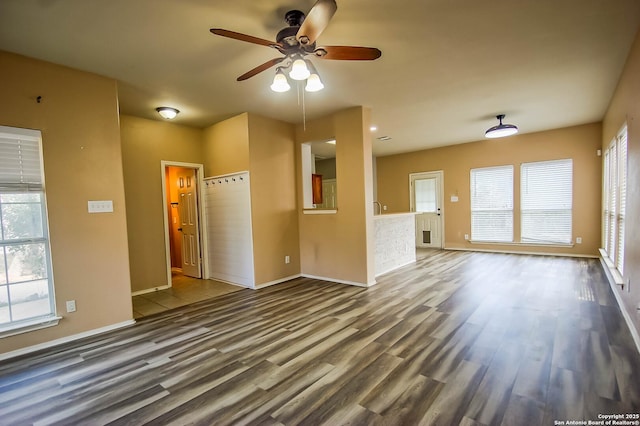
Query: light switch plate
{"x":103,"y":206}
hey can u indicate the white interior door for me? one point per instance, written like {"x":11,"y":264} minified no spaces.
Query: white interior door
{"x":188,"y":211}
{"x":426,"y":200}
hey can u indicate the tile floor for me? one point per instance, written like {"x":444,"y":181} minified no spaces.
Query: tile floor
{"x":183,"y":291}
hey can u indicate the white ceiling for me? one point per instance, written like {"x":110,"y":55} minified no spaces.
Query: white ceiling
{"x":447,"y":66}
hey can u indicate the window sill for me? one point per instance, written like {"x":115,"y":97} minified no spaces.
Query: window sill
{"x":503,"y":243}
{"x":615,"y":274}
{"x":27,"y":326}
{"x":319,"y":211}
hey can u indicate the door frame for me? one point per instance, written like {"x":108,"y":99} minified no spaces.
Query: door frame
{"x":439,"y":175}
{"x":199,"y":168}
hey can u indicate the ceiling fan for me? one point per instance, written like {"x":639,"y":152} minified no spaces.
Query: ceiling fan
{"x":299,"y":39}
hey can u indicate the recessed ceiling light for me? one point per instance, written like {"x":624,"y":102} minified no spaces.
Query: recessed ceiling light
{"x":373,"y":128}
{"x":384,"y":138}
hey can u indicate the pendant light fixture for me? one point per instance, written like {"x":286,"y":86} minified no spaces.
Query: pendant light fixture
{"x":501,"y":130}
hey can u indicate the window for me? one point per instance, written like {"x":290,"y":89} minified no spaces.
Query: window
{"x":546,"y":194}
{"x":615,"y":197}
{"x":492,"y":204}
{"x":26,"y":290}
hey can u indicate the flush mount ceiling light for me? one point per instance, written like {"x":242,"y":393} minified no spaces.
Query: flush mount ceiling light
{"x":167,"y":112}
{"x":501,"y":130}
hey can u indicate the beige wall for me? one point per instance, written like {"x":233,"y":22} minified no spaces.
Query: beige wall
{"x":625,"y":107}
{"x":340,"y":246}
{"x":145,"y":143}
{"x":226,"y":146}
{"x":273,"y":199}
{"x":579,"y":143}
{"x":265,"y":148}
{"x":78,"y":118}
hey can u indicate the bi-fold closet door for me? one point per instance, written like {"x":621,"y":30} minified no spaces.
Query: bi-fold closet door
{"x":229,"y":237}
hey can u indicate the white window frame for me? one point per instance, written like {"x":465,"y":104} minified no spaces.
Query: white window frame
{"x":501,"y":188}
{"x":614,"y":199}
{"x":20,"y":177}
{"x":545,"y":203}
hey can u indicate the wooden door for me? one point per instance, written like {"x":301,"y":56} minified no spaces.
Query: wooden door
{"x":188,"y":210}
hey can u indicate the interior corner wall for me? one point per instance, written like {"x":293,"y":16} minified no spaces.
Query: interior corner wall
{"x":273,"y":199}
{"x":78,"y":118}
{"x":456,"y":161}
{"x":226,"y":146}
{"x":625,"y":108}
{"x":145,"y":144}
{"x":340,"y":246}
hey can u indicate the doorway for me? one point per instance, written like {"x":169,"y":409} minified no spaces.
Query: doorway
{"x":427,"y":201}
{"x":182,"y":213}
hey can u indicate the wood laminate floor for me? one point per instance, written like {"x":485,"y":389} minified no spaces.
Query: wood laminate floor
{"x":456,"y":339}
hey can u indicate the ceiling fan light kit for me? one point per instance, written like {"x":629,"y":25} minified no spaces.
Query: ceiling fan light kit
{"x":167,"y":113}
{"x":298,"y":40}
{"x":280,"y":83}
{"x":501,"y":130}
{"x":299,"y":70}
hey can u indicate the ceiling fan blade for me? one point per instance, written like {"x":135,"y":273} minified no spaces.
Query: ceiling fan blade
{"x":260,"y":68}
{"x":348,"y":53}
{"x":244,"y":37}
{"x":316,"y":21}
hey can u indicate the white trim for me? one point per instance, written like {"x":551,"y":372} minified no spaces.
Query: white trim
{"x":150,"y":290}
{"x":278,"y":281}
{"x":204,"y":270}
{"x":515,"y":243}
{"x":587,"y":256}
{"x":28,"y":326}
{"x":333,"y":280}
{"x":611,"y":273}
{"x":319,"y":211}
{"x":393,"y":268}
{"x":56,"y":342}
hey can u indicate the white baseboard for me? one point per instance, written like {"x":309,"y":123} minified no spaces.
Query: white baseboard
{"x":333,"y":280}
{"x":56,"y":342}
{"x":393,"y":268}
{"x":278,"y":281}
{"x":538,"y":253}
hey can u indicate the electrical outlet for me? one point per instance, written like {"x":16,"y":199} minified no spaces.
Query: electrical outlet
{"x":578,"y":240}
{"x":287,"y":259}
{"x":71,"y":306}
{"x":466,"y":237}
{"x":384,"y":208}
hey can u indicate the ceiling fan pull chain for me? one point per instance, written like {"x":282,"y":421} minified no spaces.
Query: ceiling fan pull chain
{"x":304,"y":110}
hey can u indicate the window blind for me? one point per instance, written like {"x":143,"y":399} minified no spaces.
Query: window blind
{"x":546,"y":198}
{"x":622,"y":195}
{"x":20,"y":162}
{"x":492,"y":204}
